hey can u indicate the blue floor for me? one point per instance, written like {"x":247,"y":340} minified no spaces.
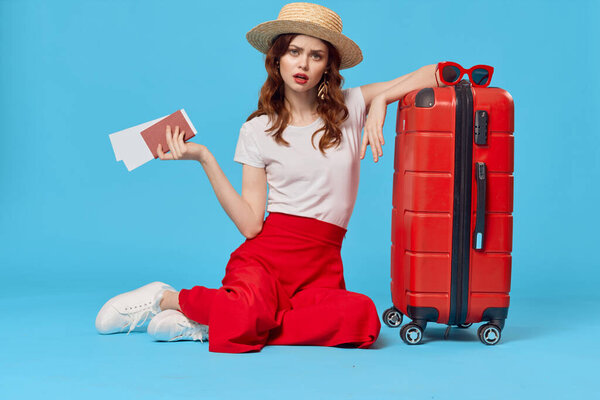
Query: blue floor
{"x":50,"y":350}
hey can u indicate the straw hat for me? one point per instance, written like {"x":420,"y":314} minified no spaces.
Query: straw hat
{"x":308,"y":19}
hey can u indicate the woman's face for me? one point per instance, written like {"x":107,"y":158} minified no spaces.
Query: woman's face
{"x":303,"y":64}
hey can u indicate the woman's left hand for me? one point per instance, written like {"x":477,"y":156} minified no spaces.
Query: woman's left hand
{"x":373,"y":131}
{"x":180,"y":150}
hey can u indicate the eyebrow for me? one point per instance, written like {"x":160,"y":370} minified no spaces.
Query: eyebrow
{"x":313,"y":51}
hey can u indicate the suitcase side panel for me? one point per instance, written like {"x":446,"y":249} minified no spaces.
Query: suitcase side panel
{"x":490,"y":268}
{"x":422,"y":204}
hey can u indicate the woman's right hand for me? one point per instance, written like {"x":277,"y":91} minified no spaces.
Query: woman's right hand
{"x":180,"y":150}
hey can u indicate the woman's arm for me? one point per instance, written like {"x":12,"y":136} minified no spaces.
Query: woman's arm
{"x":421,"y":78}
{"x":378,"y":95}
{"x":246,"y":211}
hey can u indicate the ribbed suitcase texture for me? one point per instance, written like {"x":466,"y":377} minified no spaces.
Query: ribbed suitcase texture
{"x":452,"y":210}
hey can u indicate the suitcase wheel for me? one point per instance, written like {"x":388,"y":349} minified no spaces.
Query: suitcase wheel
{"x":464,"y":326}
{"x":392,"y":317}
{"x":411,"y":333}
{"x":489,"y":334}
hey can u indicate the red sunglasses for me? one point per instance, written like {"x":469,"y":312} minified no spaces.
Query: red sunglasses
{"x":451,"y":73}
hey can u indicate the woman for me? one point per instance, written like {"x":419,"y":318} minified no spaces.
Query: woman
{"x":284,"y":284}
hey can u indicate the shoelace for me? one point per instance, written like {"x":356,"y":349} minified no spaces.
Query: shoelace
{"x":139,"y":317}
{"x":193,"y":330}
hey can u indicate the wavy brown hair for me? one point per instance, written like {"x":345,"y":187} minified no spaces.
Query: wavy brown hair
{"x":332,"y":109}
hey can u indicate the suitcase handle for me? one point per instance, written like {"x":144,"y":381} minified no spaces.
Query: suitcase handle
{"x":480,"y":179}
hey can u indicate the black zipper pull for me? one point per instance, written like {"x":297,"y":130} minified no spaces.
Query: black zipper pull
{"x":481,"y":123}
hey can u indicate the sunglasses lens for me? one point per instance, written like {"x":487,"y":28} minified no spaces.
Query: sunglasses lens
{"x":450,"y":73}
{"x":480,"y":76}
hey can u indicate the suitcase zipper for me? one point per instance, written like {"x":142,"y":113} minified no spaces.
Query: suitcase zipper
{"x":461,"y":223}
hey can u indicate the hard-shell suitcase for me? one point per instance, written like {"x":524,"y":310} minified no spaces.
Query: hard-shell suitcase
{"x":452,"y":210}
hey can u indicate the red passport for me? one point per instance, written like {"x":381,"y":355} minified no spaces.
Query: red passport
{"x":157,"y":133}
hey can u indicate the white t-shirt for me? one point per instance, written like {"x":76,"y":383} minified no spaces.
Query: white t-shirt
{"x":301,"y":180}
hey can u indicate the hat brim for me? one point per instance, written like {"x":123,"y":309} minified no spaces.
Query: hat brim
{"x":261,"y":37}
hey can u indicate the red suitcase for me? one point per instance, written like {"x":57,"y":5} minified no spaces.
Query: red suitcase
{"x":452,"y":210}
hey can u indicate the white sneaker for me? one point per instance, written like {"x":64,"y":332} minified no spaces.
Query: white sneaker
{"x":172,"y":325}
{"x":131,"y":311}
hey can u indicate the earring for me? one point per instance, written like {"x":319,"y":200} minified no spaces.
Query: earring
{"x":323,"y":90}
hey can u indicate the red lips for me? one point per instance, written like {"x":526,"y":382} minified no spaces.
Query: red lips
{"x":301,"y":78}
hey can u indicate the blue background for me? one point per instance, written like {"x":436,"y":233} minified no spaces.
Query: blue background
{"x":76,"y":228}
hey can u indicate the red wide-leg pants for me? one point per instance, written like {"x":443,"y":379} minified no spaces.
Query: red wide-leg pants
{"x":284,"y":287}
